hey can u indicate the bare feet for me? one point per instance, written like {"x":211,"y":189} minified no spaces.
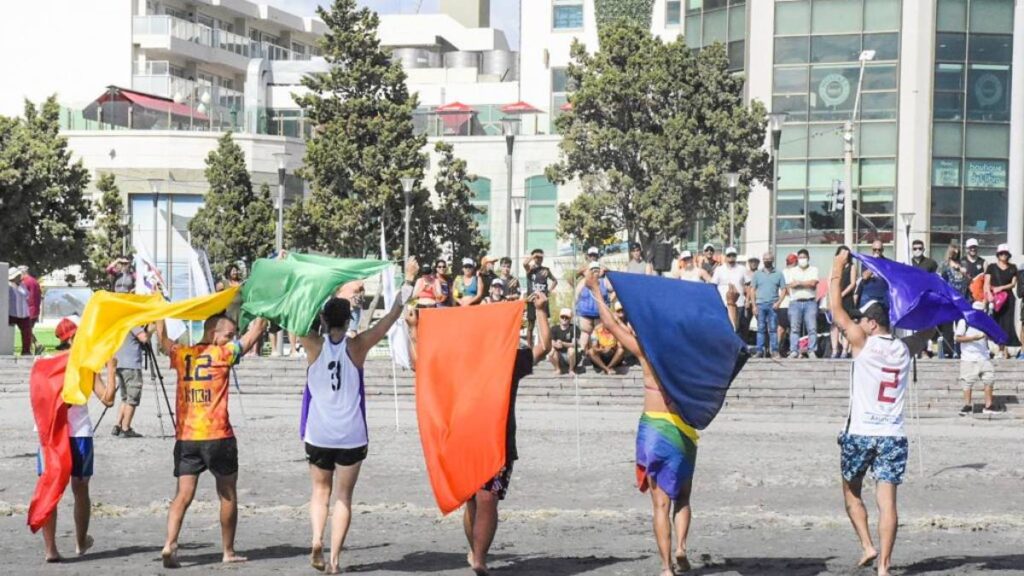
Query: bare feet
{"x":169,"y":555}
{"x":478,"y":569}
{"x":81,"y":549}
{"x":682,"y":562}
{"x":869,"y":556}
{"x":316,"y":558}
{"x":54,"y":557}
{"x":333,"y":569}
{"x":667,"y":572}
{"x":231,"y":558}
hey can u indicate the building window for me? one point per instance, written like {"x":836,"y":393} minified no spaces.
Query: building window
{"x":561,"y":87}
{"x":567,"y":15}
{"x":541,"y":214}
{"x":481,"y":188}
{"x":673,"y":12}
{"x":161,"y":225}
{"x":725,"y":21}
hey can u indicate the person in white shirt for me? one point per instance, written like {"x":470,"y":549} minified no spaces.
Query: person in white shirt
{"x":731,"y":279}
{"x":802,"y":285}
{"x":975,"y":364}
{"x":335,"y":431}
{"x":874,"y":436}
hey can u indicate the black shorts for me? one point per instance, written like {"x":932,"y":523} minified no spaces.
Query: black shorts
{"x":782,"y":315}
{"x":193,"y":457}
{"x":328,"y":458}
{"x":531,"y":314}
{"x":500,"y":483}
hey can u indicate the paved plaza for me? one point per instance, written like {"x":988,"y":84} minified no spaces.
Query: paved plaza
{"x":766,"y":499}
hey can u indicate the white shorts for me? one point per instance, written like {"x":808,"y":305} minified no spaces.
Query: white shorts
{"x":976,"y":372}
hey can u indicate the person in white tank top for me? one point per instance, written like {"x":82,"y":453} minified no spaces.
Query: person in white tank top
{"x":335,"y":431}
{"x":873,"y":435}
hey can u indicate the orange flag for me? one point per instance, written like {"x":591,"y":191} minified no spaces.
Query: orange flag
{"x":51,"y":416}
{"x":463,"y":390}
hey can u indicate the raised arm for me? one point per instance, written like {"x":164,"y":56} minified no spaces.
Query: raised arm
{"x":621,"y":333}
{"x":412,"y":320}
{"x":360,"y":345}
{"x":253,"y":334}
{"x":543,"y":345}
{"x":161,"y":337}
{"x":854,"y":333}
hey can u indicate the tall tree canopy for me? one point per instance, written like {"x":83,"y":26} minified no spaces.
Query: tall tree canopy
{"x":652,"y":132}
{"x":43,"y":204}
{"x":107,"y":239}
{"x":457,"y":228}
{"x":364,"y":145}
{"x":235,"y":222}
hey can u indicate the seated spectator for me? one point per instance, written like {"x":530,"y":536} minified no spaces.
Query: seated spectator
{"x":467,"y":290}
{"x":586,"y":307}
{"x":429,"y":290}
{"x":563,"y":343}
{"x":689,"y":271}
{"x":605,"y":351}
{"x":496,"y":293}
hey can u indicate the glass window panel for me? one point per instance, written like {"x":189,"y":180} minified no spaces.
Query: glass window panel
{"x":878,"y":105}
{"x":792,"y":175}
{"x":794,"y":50}
{"x":694,"y":5}
{"x":832,"y":91}
{"x":692,"y":31}
{"x":950,"y":47}
{"x":985,"y":214}
{"x":877,"y":172}
{"x":795,"y":106}
{"x":948,"y":106}
{"x":947,"y":139}
{"x":986,"y":174}
{"x":836,"y":16}
{"x":825,"y":141}
{"x":481,"y":188}
{"x":712,"y":4}
{"x":886,"y":46}
{"x":821,"y":173}
{"x":541,"y":216}
{"x":559,"y":79}
{"x":794,"y":141}
{"x":737,"y":54}
{"x":877,"y":139}
{"x":946,"y":203}
{"x":567,"y":16}
{"x":790,"y":231}
{"x":792,"y":17}
{"x":988,"y":140}
{"x":714,"y":27}
{"x":823,"y":226}
{"x":988,"y":92}
{"x":835,"y":48}
{"x":881,"y":15}
{"x":790,"y":203}
{"x":538,"y":188}
{"x":946,"y":172}
{"x":790,"y":80}
{"x":880,"y":78}
{"x":951,"y":15}
{"x":992,"y":48}
{"x":672,"y":13}
{"x":876,"y":201}
{"x":543,"y":239}
{"x":737,"y":23}
{"x":949,"y":76}
{"x":993,"y":16}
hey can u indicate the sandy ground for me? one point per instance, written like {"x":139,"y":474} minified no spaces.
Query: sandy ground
{"x":766,"y":499}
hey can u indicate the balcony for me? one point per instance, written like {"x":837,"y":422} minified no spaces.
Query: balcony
{"x":204,"y":43}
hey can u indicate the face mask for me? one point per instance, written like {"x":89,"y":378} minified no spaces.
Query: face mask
{"x":803,"y":262}
{"x":769,"y":264}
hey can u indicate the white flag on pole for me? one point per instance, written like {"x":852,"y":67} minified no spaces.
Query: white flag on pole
{"x":148,"y":279}
{"x":398,"y":334}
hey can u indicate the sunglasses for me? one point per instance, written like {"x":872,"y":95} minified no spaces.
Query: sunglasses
{"x":441,"y":266}
{"x":566,"y":317}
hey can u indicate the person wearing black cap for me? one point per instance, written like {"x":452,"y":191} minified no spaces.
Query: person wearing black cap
{"x":636,"y":264}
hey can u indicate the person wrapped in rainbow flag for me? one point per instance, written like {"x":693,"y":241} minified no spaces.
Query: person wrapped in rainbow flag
{"x":689,"y":355}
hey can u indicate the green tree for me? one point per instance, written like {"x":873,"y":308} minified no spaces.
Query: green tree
{"x":107,"y":239}
{"x":43,"y":204}
{"x":456,"y":225}
{"x":652,"y":132}
{"x":235,"y":222}
{"x":364,"y":145}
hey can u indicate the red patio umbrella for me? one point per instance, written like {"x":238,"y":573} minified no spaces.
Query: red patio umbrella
{"x":454,"y":116}
{"x":521,"y":108}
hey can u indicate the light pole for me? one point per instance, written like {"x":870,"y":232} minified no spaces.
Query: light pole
{"x":733,"y":180}
{"x":848,"y":144}
{"x":775,"y":122}
{"x":154,"y":188}
{"x":407,"y":184}
{"x":907,"y":218}
{"x":282,"y":164}
{"x":508,"y":130}
{"x":518,"y":201}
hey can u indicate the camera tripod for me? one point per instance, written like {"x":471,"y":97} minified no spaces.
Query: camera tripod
{"x":154,"y":376}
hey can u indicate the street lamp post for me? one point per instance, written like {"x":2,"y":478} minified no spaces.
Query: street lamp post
{"x":508,"y":130}
{"x":733,"y":180}
{"x":282,"y":164}
{"x":518,"y":201}
{"x":154,"y":188}
{"x":848,"y":146}
{"x":407,"y":184}
{"x":907,"y":218}
{"x":775,"y":123}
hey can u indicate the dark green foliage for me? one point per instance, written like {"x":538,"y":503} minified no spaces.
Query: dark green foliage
{"x":108,"y":236}
{"x":636,"y":12}
{"x":456,"y":227}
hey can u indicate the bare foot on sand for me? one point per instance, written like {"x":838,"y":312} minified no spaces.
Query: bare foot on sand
{"x":316,"y":558}
{"x":231,"y":558}
{"x":54,"y":558}
{"x":478,"y":569}
{"x":869,"y":556}
{"x":81,"y":549}
{"x":667,"y":572}
{"x":333,"y":569}
{"x":169,"y":555}
{"x":682,"y":562}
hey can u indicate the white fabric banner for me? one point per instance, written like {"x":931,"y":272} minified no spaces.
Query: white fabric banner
{"x":398,"y":334}
{"x":148,"y":279}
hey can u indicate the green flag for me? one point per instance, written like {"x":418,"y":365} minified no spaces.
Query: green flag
{"x":290,"y":292}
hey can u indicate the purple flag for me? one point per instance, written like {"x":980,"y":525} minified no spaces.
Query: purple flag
{"x":920,"y":300}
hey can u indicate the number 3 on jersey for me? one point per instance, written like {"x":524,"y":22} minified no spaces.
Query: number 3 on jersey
{"x":335,"y":370}
{"x":199,"y":371}
{"x":888,"y":385}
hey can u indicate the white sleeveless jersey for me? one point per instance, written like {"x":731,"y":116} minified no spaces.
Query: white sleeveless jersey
{"x":878,"y":385}
{"x":337,"y":407}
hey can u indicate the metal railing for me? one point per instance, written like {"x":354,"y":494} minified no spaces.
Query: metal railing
{"x":213,"y":37}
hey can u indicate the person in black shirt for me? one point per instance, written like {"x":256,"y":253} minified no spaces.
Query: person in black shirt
{"x":920,"y":261}
{"x":539,"y":280}
{"x":563,"y":343}
{"x":487,"y":274}
{"x":973,"y":264}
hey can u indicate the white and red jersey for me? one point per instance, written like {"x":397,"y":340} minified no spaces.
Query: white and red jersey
{"x":878,"y":385}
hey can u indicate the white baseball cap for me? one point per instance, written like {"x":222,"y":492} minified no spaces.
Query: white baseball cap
{"x":593,"y":250}
{"x":730,"y":251}
{"x":686,"y":255}
{"x":709,"y":245}
{"x":972,"y":243}
{"x":565,"y":312}
{"x":593,"y":266}
{"x":469,"y":262}
{"x":1003,"y":248}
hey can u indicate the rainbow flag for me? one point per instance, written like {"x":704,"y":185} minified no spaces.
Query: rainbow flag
{"x":666,"y":451}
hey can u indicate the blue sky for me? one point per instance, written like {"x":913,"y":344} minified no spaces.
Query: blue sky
{"x":504,"y":13}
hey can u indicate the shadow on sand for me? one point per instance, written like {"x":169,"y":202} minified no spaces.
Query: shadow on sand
{"x":760,"y":566}
{"x":253,"y":554}
{"x":967,"y":564}
{"x":430,"y":562}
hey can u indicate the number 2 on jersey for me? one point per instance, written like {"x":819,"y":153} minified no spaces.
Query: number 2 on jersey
{"x":200,"y":370}
{"x":888,"y":385}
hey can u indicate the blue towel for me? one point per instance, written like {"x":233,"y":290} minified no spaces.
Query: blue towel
{"x":685,"y":333}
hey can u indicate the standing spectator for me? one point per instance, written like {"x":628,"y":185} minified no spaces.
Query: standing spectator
{"x":467,"y":291}
{"x":803,"y":305}
{"x":953,"y":272}
{"x":35,"y":300}
{"x":975,"y":364}
{"x":710,"y":263}
{"x":232,"y":279}
{"x":690,"y":271}
{"x":636,"y":264}
{"x":18,"y":311}
{"x":122,"y":275}
{"x":127,"y":364}
{"x":512,"y":290}
{"x":872,"y":287}
{"x":973,"y":264}
{"x":444,"y":277}
{"x":782,"y":314}
{"x":356,"y":301}
{"x":730,"y":279}
{"x":496,"y":293}
{"x":605,"y":352}
{"x":586,"y":306}
{"x":429,"y":289}
{"x":768,"y":288}
{"x":753,"y":264}
{"x":847,"y":284}
{"x":563,"y":343}
{"x":919,"y":260}
{"x":487,"y":274}
{"x":1000,"y":282}
{"x":593,"y":256}
{"x":538,"y":279}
